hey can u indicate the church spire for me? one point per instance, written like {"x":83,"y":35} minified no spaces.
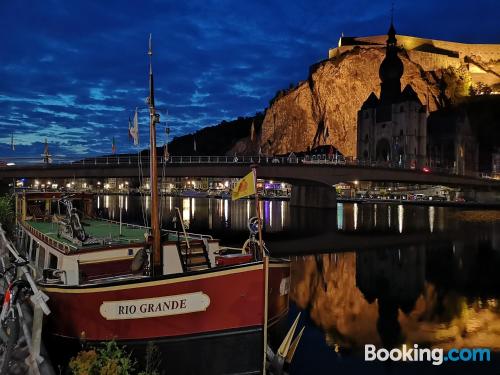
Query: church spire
{"x":391,"y":69}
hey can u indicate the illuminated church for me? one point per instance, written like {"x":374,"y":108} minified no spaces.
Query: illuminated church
{"x":392,"y":129}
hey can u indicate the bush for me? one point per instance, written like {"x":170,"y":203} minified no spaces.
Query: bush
{"x":84,"y":362}
{"x":108,"y":360}
{"x":7,"y":213}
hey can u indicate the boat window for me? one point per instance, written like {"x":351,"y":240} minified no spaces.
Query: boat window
{"x":52,"y":261}
{"x":41,"y":258}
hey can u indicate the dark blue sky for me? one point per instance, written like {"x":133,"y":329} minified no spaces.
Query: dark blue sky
{"x":74,"y":71}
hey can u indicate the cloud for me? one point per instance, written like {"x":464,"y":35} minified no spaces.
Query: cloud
{"x":74,"y":71}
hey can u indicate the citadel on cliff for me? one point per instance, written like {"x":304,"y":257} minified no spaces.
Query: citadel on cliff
{"x":419,"y":129}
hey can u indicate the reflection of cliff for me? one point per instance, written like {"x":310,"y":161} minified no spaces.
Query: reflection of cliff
{"x":382,"y":298}
{"x":326,"y":284}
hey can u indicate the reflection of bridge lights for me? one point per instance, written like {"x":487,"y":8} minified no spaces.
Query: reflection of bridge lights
{"x":282,"y":214}
{"x":388,"y":216}
{"x":210,"y":214}
{"x":431,"y":218}
{"x":400,"y":217}
{"x":375,"y":215}
{"x":355,"y":216}
{"x":226,"y":210}
{"x":270,"y":213}
{"x":193,"y":203}
{"x":340,"y":216}
{"x":185,"y":209}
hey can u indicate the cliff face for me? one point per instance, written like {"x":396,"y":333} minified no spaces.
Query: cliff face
{"x":323,"y":109}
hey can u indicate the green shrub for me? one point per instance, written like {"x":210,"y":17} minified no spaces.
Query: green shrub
{"x":7,"y":213}
{"x":83,"y":363}
{"x":107,"y":360}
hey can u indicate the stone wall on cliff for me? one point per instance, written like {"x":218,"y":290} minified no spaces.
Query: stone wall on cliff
{"x":323,"y":109}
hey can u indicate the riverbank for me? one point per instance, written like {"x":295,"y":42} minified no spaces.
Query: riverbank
{"x":427,"y":203}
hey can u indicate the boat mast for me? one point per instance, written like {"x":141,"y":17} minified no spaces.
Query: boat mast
{"x":154,"y":118}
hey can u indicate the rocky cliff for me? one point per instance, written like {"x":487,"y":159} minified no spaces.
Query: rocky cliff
{"x":323,"y":109}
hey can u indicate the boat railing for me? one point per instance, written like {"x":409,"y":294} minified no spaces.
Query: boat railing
{"x":49,"y":240}
{"x":189,"y":235}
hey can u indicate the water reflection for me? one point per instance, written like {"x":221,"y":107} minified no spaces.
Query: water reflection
{"x":204,"y":214}
{"x":444,"y":296}
{"x":199,"y":213}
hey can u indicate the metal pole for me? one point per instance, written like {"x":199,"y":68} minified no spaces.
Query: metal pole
{"x":265,"y":259}
{"x":153,"y":119}
{"x":120,"y":216}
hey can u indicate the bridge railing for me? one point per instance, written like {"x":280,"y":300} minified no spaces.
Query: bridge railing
{"x":134,"y":160}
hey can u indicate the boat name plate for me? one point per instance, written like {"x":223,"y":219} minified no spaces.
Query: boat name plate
{"x":155,"y":307}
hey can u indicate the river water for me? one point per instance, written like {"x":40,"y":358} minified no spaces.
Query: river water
{"x":382,"y":274}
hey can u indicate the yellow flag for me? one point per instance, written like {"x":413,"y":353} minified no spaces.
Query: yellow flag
{"x":244,"y":187}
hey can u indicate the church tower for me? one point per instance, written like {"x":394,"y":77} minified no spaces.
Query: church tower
{"x":392,"y":129}
{"x":391,"y":70}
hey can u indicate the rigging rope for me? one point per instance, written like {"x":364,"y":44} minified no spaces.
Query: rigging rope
{"x":141,"y":182}
{"x":162,"y":198}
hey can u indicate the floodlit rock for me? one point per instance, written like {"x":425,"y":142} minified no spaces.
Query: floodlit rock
{"x":323,"y":109}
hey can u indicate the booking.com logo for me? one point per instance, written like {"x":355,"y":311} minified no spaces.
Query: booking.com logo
{"x":436,"y":356}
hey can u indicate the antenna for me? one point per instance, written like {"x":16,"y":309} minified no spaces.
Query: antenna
{"x":151,"y":100}
{"x":392,"y":12}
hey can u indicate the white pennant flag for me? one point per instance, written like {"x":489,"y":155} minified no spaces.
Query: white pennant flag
{"x":134,"y":130}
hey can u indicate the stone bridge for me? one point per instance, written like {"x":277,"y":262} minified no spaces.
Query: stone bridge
{"x":312,"y":180}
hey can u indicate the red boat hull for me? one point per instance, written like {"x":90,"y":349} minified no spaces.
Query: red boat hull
{"x":235,"y":298}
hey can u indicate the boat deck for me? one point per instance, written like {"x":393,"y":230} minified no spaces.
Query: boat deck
{"x":95,"y":229}
{"x":101,"y":232}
